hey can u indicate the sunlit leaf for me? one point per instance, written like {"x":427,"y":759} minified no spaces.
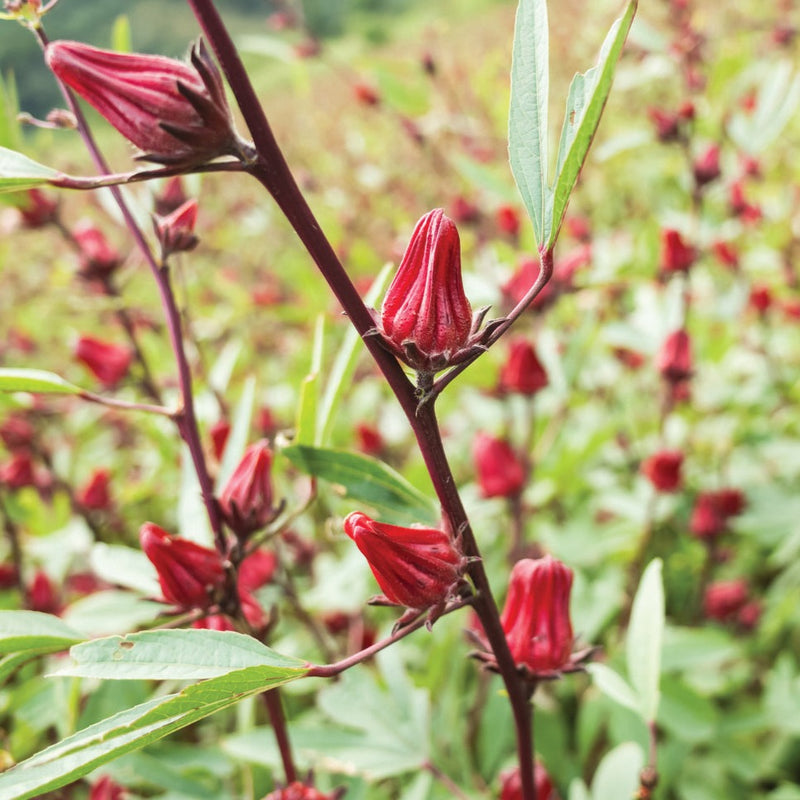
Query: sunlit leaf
{"x":18,"y":172}
{"x":643,"y":643}
{"x":527,"y":116}
{"x":586,"y":100}
{"x":38,"y":381}
{"x":365,"y":480}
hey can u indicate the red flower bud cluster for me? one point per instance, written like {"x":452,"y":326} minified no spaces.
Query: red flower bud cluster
{"x":500,"y":471}
{"x":301,"y":791}
{"x":176,"y":113}
{"x":729,"y":601}
{"x":712,"y":510}
{"x":426,"y":319}
{"x":416,"y":567}
{"x":536,"y":617}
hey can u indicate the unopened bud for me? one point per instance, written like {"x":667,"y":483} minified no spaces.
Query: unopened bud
{"x":188,"y":573}
{"x":415,"y":567}
{"x":108,"y":362}
{"x":426,"y":319}
{"x":536,"y":616}
{"x":247,"y":501}
{"x":176,"y":113}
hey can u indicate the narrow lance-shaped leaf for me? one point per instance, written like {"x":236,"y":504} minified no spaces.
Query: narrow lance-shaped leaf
{"x":18,"y":172}
{"x":645,"y":634}
{"x":527,"y":115}
{"x":79,"y":754}
{"x":309,"y":392}
{"x":365,"y":480}
{"x":37,"y":381}
{"x":189,"y":654}
{"x":585,"y":102}
{"x":22,"y":631}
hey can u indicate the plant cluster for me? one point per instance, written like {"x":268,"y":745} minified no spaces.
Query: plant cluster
{"x":585,"y":546}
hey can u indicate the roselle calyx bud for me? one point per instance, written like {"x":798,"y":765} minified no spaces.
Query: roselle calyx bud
{"x":500,"y":472}
{"x":426,"y":319}
{"x":175,"y":231}
{"x":663,"y":470}
{"x":247,"y":499}
{"x":674,"y":360}
{"x":522,"y":373}
{"x":189,"y":574}
{"x":536,"y":617}
{"x":175,"y":112}
{"x":416,"y":567}
{"x":108,"y":362}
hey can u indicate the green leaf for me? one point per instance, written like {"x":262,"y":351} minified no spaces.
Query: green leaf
{"x":527,"y":115}
{"x":129,"y":730}
{"x":306,"y":424}
{"x":345,"y":363}
{"x":18,"y":172}
{"x":192,"y":654}
{"x":10,"y":134}
{"x":617,"y":775}
{"x":22,"y":631}
{"x":365,"y":480}
{"x":643,"y":644}
{"x":587,"y":98}
{"x":121,"y":39}
{"x":34,"y":380}
{"x":611,"y":683}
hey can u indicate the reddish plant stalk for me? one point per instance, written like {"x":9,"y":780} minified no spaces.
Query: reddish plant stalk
{"x":277,"y":718}
{"x":185,"y":419}
{"x":269,"y":167}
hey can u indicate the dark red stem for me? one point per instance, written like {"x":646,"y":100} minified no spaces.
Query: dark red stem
{"x":185,"y":418}
{"x":271,"y":169}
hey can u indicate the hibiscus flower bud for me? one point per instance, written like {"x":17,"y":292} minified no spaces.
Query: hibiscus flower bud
{"x":95,"y":494}
{"x":674,"y":360}
{"x":176,"y":230}
{"x":415,"y":567}
{"x":108,"y":362}
{"x":246,"y":500}
{"x":426,"y":319}
{"x":676,"y":254}
{"x":188,"y":573}
{"x":41,"y":594}
{"x":707,"y":520}
{"x":98,"y":257}
{"x":536,"y":616}
{"x":663,"y":470}
{"x":511,"y":784}
{"x":723,"y":600}
{"x":522,"y":372}
{"x":706,"y":165}
{"x":38,"y":209}
{"x":500,"y":471}
{"x":105,"y":788}
{"x":175,"y":112}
